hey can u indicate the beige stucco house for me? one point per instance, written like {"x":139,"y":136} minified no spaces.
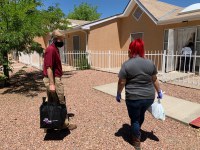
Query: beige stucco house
{"x":162,"y":26}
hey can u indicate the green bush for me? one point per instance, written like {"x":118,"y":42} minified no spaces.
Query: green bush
{"x":82,"y":64}
{"x":3,"y":77}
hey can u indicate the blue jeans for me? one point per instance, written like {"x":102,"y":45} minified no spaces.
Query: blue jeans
{"x":136,"y":111}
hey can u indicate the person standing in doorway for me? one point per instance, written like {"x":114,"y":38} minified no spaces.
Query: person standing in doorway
{"x":138,"y":76}
{"x":187,"y":59}
{"x":52,"y":72}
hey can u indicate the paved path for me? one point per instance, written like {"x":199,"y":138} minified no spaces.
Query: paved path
{"x":178,"y":109}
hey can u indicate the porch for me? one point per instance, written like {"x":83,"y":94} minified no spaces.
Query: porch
{"x":170,"y":68}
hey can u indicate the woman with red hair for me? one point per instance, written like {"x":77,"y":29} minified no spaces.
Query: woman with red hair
{"x":138,"y":75}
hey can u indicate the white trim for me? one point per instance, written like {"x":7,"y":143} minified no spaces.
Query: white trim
{"x":126,"y":12}
{"x":197,"y":41}
{"x":86,"y":40}
{"x":87,"y":27}
{"x":164,"y":39}
{"x":191,"y":8}
{"x":178,"y":20}
{"x":128,"y":9}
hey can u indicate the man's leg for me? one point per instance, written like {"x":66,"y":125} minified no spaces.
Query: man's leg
{"x":46,"y":83}
{"x":60,"y":94}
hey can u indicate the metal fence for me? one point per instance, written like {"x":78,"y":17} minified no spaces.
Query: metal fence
{"x":173,"y":68}
{"x":106,"y":60}
{"x":181,"y":70}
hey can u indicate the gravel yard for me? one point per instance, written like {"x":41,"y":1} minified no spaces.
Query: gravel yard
{"x":103,"y":124}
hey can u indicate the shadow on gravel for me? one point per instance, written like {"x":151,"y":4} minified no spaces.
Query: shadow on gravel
{"x":124,"y":132}
{"x":56,"y":135}
{"x":26,"y":83}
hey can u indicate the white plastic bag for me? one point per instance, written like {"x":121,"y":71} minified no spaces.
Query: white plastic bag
{"x":157,"y":110}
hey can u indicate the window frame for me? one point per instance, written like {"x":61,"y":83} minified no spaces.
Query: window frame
{"x":136,"y":33}
{"x":165,"y":42}
{"x":133,"y":14}
{"x":197,"y":41}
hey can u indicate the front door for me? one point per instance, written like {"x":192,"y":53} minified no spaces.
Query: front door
{"x":175,"y":40}
{"x":76,"y":43}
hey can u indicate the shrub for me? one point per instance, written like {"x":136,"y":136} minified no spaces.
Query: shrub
{"x":82,"y":64}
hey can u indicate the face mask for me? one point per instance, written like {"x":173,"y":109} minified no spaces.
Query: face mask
{"x":59,"y":44}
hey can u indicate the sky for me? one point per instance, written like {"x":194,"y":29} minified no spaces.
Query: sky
{"x":108,"y":8}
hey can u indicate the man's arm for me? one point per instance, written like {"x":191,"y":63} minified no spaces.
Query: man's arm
{"x":51,"y":79}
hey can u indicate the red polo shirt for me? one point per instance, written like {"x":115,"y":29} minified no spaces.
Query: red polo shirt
{"x":52,"y":59}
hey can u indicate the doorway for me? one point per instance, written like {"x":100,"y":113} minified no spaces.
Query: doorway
{"x":174,"y":41}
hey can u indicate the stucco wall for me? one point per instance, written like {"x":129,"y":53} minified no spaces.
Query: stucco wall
{"x":152,"y":34}
{"x":104,"y":36}
{"x":115,"y":34}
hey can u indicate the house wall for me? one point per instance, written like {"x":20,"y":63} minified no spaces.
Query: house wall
{"x":69,"y":40}
{"x":104,"y":36}
{"x":41,"y":41}
{"x":115,"y":34}
{"x":34,"y":59}
{"x":46,"y":40}
{"x":152,"y":34}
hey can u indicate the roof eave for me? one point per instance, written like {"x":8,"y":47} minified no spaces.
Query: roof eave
{"x":127,"y":9}
{"x":124,"y":14}
{"x":87,"y":26}
{"x":178,"y":20}
{"x":73,"y":30}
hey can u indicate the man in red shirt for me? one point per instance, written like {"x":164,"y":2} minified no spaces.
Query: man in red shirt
{"x":52,"y":72}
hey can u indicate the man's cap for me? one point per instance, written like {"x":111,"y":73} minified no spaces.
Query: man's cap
{"x":57,"y":33}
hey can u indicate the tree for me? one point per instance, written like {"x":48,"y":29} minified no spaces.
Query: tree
{"x":84,"y":12}
{"x":21,"y":21}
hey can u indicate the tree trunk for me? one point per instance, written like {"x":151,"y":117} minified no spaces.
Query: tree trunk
{"x":5,"y":68}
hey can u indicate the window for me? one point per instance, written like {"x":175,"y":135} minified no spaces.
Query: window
{"x":76,"y":43}
{"x":136,"y":36}
{"x":137,"y":13}
{"x":198,"y":40}
{"x":166,"y":34}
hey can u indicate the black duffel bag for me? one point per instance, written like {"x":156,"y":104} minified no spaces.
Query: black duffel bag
{"x":52,"y":115}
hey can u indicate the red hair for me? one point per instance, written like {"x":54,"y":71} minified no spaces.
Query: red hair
{"x":136,"y":47}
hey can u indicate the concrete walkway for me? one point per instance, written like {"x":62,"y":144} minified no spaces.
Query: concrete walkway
{"x":178,"y":109}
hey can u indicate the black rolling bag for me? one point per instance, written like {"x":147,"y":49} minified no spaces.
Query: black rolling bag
{"x":52,"y":115}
